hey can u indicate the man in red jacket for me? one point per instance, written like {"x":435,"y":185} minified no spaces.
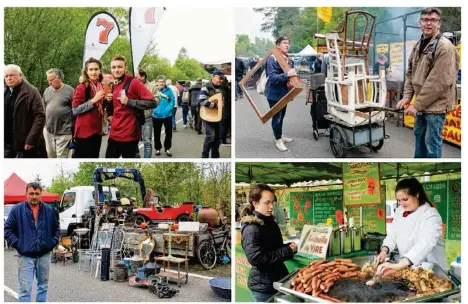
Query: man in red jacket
{"x":126,"y":116}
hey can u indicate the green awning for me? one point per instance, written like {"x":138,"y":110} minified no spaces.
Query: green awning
{"x":290,"y":173}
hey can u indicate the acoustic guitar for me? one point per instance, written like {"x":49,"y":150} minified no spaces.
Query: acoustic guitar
{"x":213,"y":114}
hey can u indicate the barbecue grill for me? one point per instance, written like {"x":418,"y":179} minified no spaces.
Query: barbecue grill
{"x":349,"y":290}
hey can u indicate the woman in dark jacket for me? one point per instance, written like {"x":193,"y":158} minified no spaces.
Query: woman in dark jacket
{"x":88,"y":109}
{"x":276,"y":88}
{"x":263,"y":244}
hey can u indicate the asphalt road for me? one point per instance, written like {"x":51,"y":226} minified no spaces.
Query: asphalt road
{"x":186,"y":143}
{"x":68,"y":284}
{"x":255,"y":140}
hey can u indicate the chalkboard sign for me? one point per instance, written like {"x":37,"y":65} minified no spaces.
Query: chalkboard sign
{"x":373,"y":216}
{"x":437,"y":194}
{"x":325,"y":205}
{"x":300,"y":208}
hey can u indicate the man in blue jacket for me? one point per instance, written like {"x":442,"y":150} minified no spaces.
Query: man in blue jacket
{"x":276,"y":88}
{"x":162,"y":116}
{"x":32,"y":229}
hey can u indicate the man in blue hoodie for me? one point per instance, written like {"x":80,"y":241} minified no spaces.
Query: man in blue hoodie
{"x":32,"y":229}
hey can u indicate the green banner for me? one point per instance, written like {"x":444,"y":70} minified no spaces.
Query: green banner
{"x":243,"y":267}
{"x":300,"y":208}
{"x":373,"y":216}
{"x":325,"y":205}
{"x":454,"y":210}
{"x":437,"y":194}
{"x":361,"y":184}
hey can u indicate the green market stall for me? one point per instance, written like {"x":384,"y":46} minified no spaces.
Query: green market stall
{"x":362,"y":195}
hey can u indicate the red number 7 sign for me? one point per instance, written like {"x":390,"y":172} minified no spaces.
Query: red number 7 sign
{"x":108,"y":27}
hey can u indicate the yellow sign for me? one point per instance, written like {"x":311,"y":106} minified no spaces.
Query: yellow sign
{"x":381,"y":48}
{"x":452,"y":127}
{"x":324,"y":13}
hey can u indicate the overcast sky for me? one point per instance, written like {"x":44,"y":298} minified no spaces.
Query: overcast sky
{"x":207,"y":33}
{"x":46,"y":168}
{"x":249,"y":22}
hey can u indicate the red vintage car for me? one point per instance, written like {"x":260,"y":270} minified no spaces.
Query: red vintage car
{"x":154,"y":214}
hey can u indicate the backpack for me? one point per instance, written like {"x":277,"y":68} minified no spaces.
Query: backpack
{"x":185,"y":96}
{"x":261,"y":83}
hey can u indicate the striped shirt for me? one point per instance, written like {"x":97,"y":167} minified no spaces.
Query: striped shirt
{"x":205,"y":94}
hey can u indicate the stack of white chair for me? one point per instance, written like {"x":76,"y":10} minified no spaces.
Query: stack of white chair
{"x":349,"y":88}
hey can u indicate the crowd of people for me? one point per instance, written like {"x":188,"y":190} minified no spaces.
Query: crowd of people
{"x":70,"y":122}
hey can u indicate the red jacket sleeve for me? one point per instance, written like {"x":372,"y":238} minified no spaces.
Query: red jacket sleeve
{"x":137,"y":90}
{"x":79,"y":96}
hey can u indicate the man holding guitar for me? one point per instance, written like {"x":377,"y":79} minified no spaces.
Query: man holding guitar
{"x":210,"y":98}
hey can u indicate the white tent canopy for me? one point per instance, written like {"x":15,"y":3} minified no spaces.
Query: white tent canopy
{"x":308,"y":51}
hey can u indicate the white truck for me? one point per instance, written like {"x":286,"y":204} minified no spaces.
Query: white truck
{"x":76,"y":202}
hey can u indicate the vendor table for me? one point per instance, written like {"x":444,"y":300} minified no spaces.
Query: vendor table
{"x":174,"y":238}
{"x":167,"y":261}
{"x":243,"y":293}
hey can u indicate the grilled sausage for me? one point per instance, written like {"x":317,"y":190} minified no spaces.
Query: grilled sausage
{"x":309,"y":276}
{"x":318,"y":262}
{"x":331,"y":275}
{"x":328,"y":285}
{"x":317,"y":286}
{"x":350,"y":264}
{"x":343,"y":260}
{"x":325,"y":297}
{"x":316,"y":293}
{"x":349,"y":274}
{"x":329,"y":264}
{"x":314,"y":282}
{"x":308,"y":290}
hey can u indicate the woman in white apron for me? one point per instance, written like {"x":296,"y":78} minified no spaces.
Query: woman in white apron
{"x":417,"y":232}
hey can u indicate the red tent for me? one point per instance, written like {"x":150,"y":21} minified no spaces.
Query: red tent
{"x":15,"y":191}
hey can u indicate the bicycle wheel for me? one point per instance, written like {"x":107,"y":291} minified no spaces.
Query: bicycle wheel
{"x":206,"y":254}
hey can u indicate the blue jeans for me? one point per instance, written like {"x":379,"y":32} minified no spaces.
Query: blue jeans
{"x":428,"y":135}
{"x":185,"y":110}
{"x":212,"y":139}
{"x":27,"y":267}
{"x":174,"y":111}
{"x":239,"y":92}
{"x":148,"y":138}
{"x":261,"y":296}
{"x":277,"y":120}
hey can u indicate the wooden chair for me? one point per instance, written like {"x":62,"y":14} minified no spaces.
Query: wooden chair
{"x":349,"y":86}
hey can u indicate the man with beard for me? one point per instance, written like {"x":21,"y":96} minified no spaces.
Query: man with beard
{"x":33,"y":230}
{"x":431,"y":77}
{"x":128,"y":100}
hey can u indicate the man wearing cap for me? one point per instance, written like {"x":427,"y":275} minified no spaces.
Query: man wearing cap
{"x":213,"y":129}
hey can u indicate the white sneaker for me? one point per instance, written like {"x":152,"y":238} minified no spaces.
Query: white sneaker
{"x":280,"y":145}
{"x":286,"y":139}
{"x":185,"y":126}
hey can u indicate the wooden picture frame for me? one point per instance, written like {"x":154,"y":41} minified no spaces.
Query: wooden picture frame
{"x":295,"y":81}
